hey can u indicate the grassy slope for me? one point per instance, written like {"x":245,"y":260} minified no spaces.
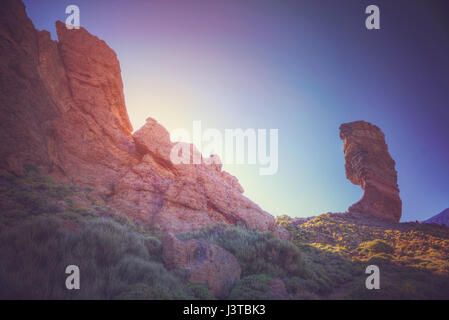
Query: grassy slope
{"x":45,"y":226}
{"x":413,"y":257}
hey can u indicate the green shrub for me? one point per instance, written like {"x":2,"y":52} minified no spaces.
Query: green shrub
{"x":154,"y":247}
{"x":380,"y":259}
{"x":376,"y":246}
{"x":256,"y":252}
{"x":113,"y":259}
{"x":301,"y":288}
{"x":200,"y":292}
{"x":254,"y":287}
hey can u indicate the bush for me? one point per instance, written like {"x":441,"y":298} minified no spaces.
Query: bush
{"x":114,"y":261}
{"x":301,"y":288}
{"x":256,"y":252}
{"x":376,"y":246}
{"x":254,"y":287}
{"x":201,"y":292}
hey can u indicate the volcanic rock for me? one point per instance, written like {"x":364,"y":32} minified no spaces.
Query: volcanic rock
{"x":204,"y":263}
{"x":369,"y":165}
{"x":62,"y":109}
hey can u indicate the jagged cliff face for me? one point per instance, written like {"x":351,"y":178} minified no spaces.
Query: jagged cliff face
{"x":369,"y":165}
{"x":62,"y":109}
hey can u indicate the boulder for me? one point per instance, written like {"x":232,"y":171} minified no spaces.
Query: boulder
{"x":205,"y":263}
{"x":153,"y":138}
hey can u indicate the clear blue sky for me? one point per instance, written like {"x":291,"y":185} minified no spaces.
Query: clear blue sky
{"x":303,"y":67}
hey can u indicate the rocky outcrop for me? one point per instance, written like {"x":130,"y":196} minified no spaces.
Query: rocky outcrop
{"x":170,"y":195}
{"x":62,"y":109}
{"x":204,"y":263}
{"x":91,"y":138}
{"x":369,"y":165}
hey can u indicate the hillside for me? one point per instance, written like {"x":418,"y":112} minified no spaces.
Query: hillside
{"x":441,"y":218}
{"x":45,"y":225}
{"x":413,"y":257}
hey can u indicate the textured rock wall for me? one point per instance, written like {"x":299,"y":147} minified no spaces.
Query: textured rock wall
{"x":26,"y":109}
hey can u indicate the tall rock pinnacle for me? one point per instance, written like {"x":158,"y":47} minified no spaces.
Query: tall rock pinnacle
{"x":369,"y":165}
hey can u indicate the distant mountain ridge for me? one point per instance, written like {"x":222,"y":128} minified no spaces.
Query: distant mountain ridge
{"x":441,"y":218}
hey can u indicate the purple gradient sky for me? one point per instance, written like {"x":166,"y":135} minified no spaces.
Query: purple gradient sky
{"x":303,"y":67}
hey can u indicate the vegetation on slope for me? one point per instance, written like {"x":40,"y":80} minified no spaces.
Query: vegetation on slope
{"x":256,"y":252}
{"x":413,"y":257}
{"x":45,"y":226}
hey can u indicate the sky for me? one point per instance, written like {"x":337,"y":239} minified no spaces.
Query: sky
{"x":303,"y":67}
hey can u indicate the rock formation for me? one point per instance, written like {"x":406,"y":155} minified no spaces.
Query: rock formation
{"x":369,"y":165}
{"x":62,"y":109}
{"x":204,"y":263}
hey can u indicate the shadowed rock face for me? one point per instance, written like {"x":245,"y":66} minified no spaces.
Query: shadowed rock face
{"x":205,"y":263}
{"x":62,"y":108}
{"x":369,"y":165}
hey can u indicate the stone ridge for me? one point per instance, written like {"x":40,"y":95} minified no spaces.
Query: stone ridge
{"x":369,"y":165}
{"x":62,"y":108}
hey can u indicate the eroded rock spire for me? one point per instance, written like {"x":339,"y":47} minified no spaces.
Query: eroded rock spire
{"x":369,"y":165}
